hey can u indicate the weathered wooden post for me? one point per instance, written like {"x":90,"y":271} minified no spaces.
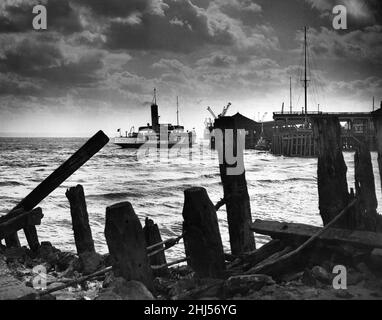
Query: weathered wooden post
{"x":80,"y":220}
{"x":232,"y":173}
{"x":10,"y":224}
{"x":127,"y":245}
{"x":331,"y":173}
{"x":152,"y":236}
{"x":71,"y":165}
{"x":202,"y":240}
{"x":377,"y":120}
{"x":366,"y":217}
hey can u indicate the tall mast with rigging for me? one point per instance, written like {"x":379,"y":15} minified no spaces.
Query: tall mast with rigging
{"x":177,"y":110}
{"x":290,"y":94}
{"x":305,"y":72}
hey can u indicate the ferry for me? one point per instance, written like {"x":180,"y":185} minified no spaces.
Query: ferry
{"x":157,"y":135}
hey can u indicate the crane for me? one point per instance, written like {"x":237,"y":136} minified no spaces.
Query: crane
{"x":212,"y":113}
{"x":222,"y":114}
{"x":225,"y":109}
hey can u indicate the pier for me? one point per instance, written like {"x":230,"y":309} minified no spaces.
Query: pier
{"x":292,"y":134}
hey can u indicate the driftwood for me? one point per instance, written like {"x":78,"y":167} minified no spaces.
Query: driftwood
{"x":75,"y":282}
{"x":202,"y":240}
{"x":263,"y":252}
{"x":80,"y":157}
{"x":166,"y":265}
{"x":273,"y":266}
{"x":127,"y":245}
{"x":235,"y":189}
{"x":80,"y":220}
{"x":24,"y":219}
{"x":168,"y":243}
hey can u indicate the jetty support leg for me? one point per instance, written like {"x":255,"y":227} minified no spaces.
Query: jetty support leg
{"x":331,"y":173}
{"x":366,"y":218}
{"x":235,"y":185}
{"x":202,"y":240}
{"x":80,"y":220}
{"x":152,"y":236}
{"x":127,"y":245}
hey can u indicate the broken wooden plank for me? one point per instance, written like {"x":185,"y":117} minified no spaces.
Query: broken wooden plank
{"x":23,"y":220}
{"x":263,"y":252}
{"x":80,"y":157}
{"x":290,"y":258}
{"x":268,"y":265}
{"x":293,"y":231}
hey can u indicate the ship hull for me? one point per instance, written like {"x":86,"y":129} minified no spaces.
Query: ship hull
{"x":130,"y":143}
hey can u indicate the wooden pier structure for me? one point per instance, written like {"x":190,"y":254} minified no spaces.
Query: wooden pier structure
{"x":293,"y":133}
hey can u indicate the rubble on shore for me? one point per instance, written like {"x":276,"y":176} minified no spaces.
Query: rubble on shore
{"x":313,"y":281}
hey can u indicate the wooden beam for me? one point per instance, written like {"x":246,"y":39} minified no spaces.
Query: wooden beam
{"x":301,"y":232}
{"x":80,"y":157}
{"x":23,"y":220}
{"x":63,"y":172}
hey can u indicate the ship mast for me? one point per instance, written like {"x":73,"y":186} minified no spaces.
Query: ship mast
{"x":290,"y":94}
{"x":305,"y":72}
{"x":177,"y":111}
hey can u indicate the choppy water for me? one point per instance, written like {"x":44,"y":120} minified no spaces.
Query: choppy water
{"x":280,"y":188}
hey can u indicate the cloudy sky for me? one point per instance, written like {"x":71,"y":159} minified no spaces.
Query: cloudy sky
{"x":98,"y":62}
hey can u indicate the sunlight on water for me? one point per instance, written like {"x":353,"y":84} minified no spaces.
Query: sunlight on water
{"x":280,"y":188}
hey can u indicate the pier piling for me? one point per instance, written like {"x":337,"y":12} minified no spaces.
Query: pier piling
{"x":80,"y":220}
{"x":152,"y":236}
{"x":127,"y":245}
{"x":235,"y":187}
{"x":366,"y":218}
{"x":331,"y":172}
{"x":377,"y":120}
{"x":202,"y":240}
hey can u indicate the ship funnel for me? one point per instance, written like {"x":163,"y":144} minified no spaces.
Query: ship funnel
{"x":154,"y":117}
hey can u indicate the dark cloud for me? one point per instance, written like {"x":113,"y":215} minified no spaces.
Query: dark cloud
{"x":108,"y":54}
{"x":183,"y":27}
{"x":115,"y":8}
{"x":49,"y":66}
